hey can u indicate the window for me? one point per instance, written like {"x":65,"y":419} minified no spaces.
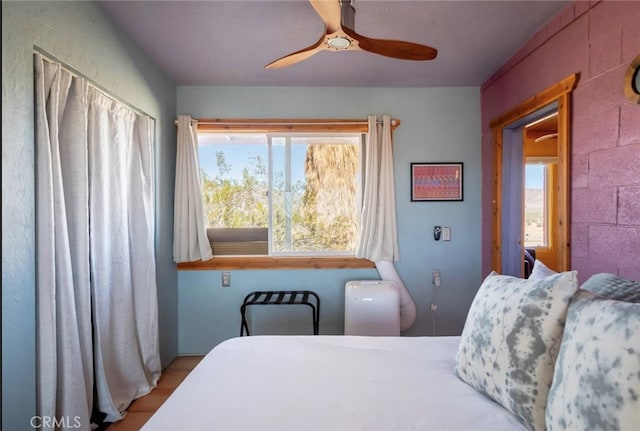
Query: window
{"x":536,"y":198}
{"x":282,"y":194}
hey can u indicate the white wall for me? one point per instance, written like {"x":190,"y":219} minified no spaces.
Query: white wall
{"x":79,"y":34}
{"x":438,"y":125}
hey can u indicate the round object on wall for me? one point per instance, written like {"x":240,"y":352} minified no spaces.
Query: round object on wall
{"x":632,"y":81}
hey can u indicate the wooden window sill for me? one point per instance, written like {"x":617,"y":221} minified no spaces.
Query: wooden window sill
{"x":269,"y":262}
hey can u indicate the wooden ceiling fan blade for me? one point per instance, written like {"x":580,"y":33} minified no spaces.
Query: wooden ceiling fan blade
{"x":394,"y":48}
{"x":293,"y":58}
{"x":330,"y":12}
{"x":297,"y":56}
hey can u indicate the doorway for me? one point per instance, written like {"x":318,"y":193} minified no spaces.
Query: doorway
{"x":536,"y":218}
{"x":540,"y":203}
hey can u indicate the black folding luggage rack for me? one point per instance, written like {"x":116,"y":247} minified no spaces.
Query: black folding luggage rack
{"x":277,"y":297}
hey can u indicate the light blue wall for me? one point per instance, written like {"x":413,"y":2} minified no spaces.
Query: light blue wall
{"x":79,"y":34}
{"x":438,"y":125}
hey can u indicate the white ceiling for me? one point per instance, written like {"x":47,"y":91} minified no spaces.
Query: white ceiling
{"x":227,"y":43}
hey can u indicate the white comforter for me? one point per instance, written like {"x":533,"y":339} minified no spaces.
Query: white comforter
{"x":329,"y":383}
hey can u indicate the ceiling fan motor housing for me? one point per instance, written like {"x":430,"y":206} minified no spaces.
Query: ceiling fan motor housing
{"x":348,"y":14}
{"x":339,"y":42}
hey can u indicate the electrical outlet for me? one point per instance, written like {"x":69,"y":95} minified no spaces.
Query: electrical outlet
{"x":226,"y":279}
{"x":435,"y":277}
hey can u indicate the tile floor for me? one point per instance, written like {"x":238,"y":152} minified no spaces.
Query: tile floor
{"x":141,"y":409}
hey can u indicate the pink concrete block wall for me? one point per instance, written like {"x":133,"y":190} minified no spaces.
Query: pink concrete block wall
{"x":629,"y":206}
{"x":598,"y":40}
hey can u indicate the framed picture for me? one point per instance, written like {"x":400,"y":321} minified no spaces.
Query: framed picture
{"x":436,"y":182}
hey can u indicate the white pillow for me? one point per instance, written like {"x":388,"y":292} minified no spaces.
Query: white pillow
{"x":596,"y":385}
{"x":540,"y":270}
{"x":511,"y":338}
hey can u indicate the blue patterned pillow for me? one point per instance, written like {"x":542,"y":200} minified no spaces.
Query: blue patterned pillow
{"x":511,"y":338}
{"x":596,"y":385}
{"x":613,"y":287}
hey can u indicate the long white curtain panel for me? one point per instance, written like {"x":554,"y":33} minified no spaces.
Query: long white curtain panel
{"x":64,"y":362}
{"x":123,"y":269}
{"x":97,"y":318}
{"x":190,"y":240}
{"x":378,"y":231}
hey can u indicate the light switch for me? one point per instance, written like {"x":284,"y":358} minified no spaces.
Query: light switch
{"x":446,"y":234}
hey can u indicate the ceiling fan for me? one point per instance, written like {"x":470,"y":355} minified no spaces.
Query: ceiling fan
{"x":339,"y":35}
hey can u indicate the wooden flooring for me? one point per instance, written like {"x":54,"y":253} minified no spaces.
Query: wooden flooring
{"x":143,"y":408}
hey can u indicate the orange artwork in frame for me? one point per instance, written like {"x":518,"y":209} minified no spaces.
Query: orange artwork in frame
{"x":436,"y":182}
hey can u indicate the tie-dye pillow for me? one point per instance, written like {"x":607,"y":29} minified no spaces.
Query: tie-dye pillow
{"x":511,"y":338}
{"x":613,"y":287}
{"x":596,"y":385}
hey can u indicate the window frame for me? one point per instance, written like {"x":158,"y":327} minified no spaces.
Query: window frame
{"x":274,"y":126}
{"x":287,"y":136}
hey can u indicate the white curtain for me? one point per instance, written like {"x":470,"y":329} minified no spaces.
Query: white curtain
{"x":123,"y":269}
{"x":378,"y":231}
{"x":190,"y":240}
{"x":64,"y":350}
{"x":95,"y":251}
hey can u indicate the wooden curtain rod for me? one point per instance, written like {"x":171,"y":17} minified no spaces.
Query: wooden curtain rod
{"x":283,"y":125}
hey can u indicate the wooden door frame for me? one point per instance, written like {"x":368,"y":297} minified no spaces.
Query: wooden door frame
{"x":560,"y":93}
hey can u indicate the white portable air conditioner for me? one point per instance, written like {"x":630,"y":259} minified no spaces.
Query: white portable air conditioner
{"x":371,"y":307}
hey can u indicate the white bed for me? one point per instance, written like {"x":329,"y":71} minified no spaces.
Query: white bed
{"x":330,"y":383}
